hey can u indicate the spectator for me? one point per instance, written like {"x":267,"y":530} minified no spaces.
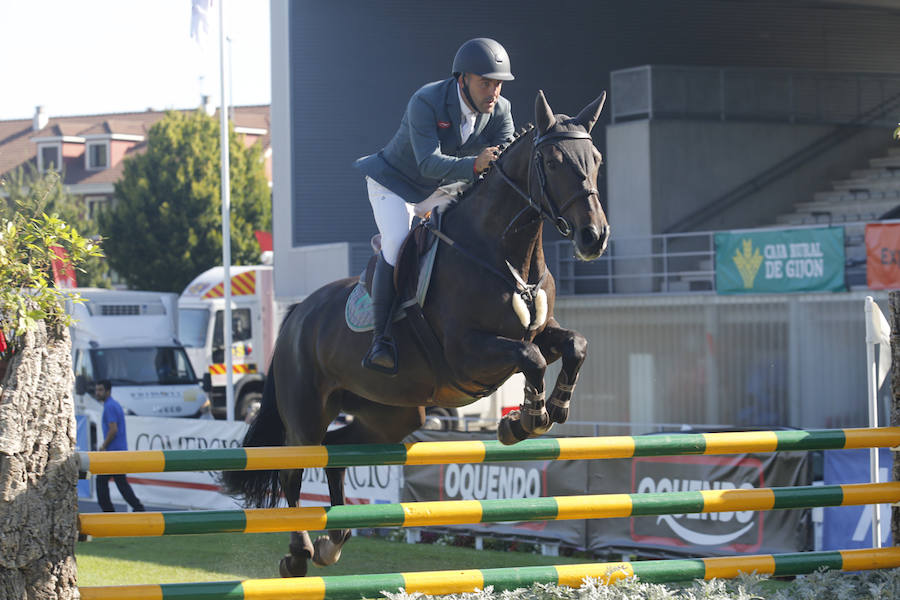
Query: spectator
{"x":114,"y":439}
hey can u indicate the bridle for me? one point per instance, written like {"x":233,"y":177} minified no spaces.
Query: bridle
{"x":528,"y":291}
{"x":552,"y":212}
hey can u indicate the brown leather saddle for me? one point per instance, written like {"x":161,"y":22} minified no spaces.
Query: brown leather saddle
{"x":406,"y":272}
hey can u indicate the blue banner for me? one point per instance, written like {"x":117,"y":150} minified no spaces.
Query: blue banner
{"x":849,"y":527}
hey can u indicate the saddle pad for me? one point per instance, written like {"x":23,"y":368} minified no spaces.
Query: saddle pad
{"x":358,"y":312}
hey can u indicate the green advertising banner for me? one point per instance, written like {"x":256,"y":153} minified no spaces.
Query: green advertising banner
{"x":790,"y":260}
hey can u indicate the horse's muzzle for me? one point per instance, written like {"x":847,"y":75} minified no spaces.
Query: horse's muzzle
{"x":590,"y":241}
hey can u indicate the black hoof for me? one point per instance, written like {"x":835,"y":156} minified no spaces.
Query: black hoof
{"x":510,"y":430}
{"x":292,"y":566}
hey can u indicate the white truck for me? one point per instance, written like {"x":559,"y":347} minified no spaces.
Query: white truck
{"x":201,"y":310}
{"x":256,"y":317}
{"x":130,"y":338}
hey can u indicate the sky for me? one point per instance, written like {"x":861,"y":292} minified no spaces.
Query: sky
{"x":81,"y":57}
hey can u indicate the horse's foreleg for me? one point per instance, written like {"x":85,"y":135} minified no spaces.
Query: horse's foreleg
{"x":301,"y":547}
{"x":328,"y":547}
{"x":571,"y":346}
{"x":489,"y":352}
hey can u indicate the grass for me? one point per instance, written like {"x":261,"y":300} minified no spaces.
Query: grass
{"x":228,"y":556}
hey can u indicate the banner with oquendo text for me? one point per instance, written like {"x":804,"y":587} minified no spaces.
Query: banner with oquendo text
{"x":789,"y":260}
{"x":702,"y":534}
{"x":499,"y":481}
{"x":883,"y":256}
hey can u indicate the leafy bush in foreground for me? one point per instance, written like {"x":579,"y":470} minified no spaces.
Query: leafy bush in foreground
{"x":822,"y":585}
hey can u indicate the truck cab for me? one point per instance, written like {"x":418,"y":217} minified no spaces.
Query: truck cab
{"x":201,"y":316}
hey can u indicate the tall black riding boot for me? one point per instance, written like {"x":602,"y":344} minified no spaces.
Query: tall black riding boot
{"x":382,"y":356}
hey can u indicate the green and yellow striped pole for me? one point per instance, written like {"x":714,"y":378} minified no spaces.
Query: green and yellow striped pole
{"x":436,"y":453}
{"x":457,"y":512}
{"x":353,"y":587}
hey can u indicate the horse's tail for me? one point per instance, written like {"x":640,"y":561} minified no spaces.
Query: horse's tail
{"x":261,"y":489}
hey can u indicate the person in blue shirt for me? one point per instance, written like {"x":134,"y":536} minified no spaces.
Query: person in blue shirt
{"x":449,"y":134}
{"x":114,"y":439}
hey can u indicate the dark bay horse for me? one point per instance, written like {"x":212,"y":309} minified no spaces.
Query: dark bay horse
{"x":490,"y":305}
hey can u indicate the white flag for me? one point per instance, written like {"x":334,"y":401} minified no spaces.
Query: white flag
{"x":878,"y":331}
{"x":200,"y":19}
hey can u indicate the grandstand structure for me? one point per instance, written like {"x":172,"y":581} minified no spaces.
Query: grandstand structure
{"x":724,"y":117}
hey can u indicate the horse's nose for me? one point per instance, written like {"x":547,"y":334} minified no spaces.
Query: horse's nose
{"x":603,"y":237}
{"x":590,"y":235}
{"x":592,"y":239}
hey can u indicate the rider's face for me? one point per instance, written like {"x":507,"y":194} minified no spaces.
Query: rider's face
{"x":484,"y":91}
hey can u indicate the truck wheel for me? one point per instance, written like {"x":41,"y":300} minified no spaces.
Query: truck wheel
{"x":436,"y":419}
{"x":249,"y":406}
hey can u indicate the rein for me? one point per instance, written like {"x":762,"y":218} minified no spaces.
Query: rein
{"x":528,"y":291}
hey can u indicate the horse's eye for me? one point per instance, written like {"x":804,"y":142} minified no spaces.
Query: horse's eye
{"x":553,"y":160}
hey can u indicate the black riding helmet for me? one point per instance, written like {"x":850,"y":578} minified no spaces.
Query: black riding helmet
{"x":485,"y":57}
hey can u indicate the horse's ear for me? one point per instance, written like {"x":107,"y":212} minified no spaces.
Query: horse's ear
{"x":590,"y":113}
{"x":543,"y":116}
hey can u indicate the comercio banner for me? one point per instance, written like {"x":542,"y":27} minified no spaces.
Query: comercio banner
{"x":789,"y":260}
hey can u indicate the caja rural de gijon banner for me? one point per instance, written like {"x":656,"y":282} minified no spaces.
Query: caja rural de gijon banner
{"x":789,"y":260}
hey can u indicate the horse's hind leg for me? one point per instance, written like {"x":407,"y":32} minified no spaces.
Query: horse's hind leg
{"x":556,"y":342}
{"x":327,"y":549}
{"x":301,"y":547}
{"x":373,"y":424}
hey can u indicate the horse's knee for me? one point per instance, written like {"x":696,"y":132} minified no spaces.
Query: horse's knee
{"x":576,"y":348}
{"x":532,"y":364}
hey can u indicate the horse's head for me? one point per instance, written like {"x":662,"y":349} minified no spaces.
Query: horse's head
{"x":564,"y":170}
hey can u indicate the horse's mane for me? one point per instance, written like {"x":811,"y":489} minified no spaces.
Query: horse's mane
{"x":517,"y":137}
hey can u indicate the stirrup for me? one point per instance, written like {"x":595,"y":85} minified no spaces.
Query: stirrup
{"x":386,"y":344}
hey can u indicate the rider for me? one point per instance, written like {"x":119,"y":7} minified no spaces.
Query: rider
{"x":449,"y":134}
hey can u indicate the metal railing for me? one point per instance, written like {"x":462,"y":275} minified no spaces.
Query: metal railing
{"x":674,"y":263}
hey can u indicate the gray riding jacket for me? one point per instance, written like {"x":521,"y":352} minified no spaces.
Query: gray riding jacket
{"x":426,"y":152}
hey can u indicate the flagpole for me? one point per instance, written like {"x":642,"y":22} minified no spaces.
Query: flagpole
{"x":872,"y":377}
{"x":226,"y":220}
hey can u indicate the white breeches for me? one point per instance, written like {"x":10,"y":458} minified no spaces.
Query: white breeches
{"x":393,"y":216}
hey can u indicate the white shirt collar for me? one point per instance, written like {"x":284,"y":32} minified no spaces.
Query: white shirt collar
{"x":467,"y":122}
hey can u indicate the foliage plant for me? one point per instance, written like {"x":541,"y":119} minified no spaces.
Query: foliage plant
{"x":165,"y":226}
{"x":28,"y":234}
{"x":72,"y":209}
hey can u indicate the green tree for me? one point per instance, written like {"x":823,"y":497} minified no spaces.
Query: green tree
{"x":165,"y":226}
{"x":71,"y":209}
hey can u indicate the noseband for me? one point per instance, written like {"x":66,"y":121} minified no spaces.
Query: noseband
{"x":552,"y":213}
